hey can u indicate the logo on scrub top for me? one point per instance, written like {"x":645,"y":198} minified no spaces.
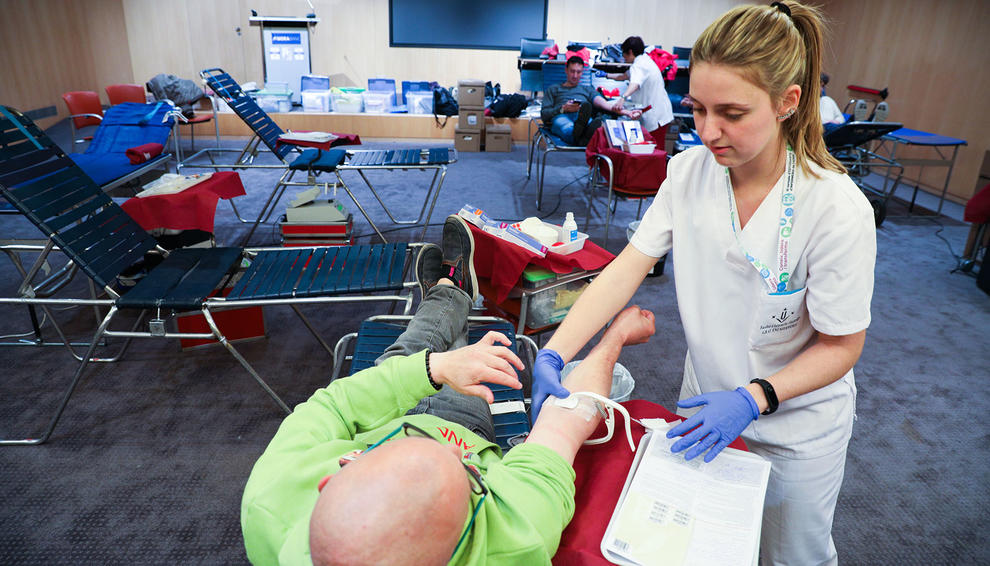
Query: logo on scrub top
{"x":783,"y":316}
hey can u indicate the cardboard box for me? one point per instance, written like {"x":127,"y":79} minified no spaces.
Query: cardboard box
{"x":471,"y":118}
{"x":498,"y":137}
{"x":467,"y":140}
{"x":471,"y":93}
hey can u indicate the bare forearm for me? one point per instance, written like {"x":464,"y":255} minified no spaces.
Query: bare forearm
{"x":825,"y":362}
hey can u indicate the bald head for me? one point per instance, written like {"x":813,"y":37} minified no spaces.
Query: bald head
{"x":405,"y":502}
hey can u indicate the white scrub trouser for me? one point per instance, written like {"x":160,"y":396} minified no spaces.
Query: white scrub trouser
{"x":799,"y":507}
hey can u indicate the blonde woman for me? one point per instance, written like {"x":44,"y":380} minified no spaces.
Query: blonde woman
{"x":773,"y":256}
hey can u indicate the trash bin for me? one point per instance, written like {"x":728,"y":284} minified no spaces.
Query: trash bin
{"x":622,"y":381}
{"x":657,"y":269}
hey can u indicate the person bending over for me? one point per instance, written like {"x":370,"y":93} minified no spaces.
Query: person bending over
{"x":645,"y":89}
{"x":397,"y":464}
{"x":569,"y":108}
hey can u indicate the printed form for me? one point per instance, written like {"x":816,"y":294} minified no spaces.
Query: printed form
{"x":673,"y":511}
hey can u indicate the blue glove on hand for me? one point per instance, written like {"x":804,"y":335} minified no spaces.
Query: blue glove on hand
{"x":546,"y":380}
{"x":725,"y":415}
{"x":600,"y":74}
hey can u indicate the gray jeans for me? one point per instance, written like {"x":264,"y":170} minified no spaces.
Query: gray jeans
{"x":440,"y":324}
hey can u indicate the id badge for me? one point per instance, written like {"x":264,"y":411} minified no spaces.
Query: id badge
{"x":779,"y":319}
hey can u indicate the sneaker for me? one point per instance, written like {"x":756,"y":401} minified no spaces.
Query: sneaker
{"x":428,"y":267}
{"x":581,"y":122}
{"x":881,"y":112}
{"x":861,"y":110}
{"x":458,"y":255}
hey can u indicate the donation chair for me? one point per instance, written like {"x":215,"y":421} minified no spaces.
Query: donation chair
{"x":543,"y":140}
{"x":849,"y":143}
{"x":117,"y":94}
{"x":85,"y":111}
{"x":125,"y":126}
{"x":99,"y":238}
{"x":379,"y":332}
{"x":317,"y":161}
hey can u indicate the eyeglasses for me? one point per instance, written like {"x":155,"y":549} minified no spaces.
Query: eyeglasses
{"x":606,"y":409}
{"x":474,"y":476}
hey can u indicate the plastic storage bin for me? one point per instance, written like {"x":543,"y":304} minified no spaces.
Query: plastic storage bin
{"x":316,"y":100}
{"x":420,"y":102}
{"x":274,"y":98}
{"x":550,"y":304}
{"x":384,"y":86}
{"x":314,"y":82}
{"x":418,"y":87}
{"x":377,"y":102}
{"x":347,"y":99}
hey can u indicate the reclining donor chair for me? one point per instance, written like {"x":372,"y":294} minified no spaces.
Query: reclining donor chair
{"x":99,"y":238}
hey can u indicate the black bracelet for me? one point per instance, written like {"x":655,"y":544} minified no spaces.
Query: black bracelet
{"x":769,"y":393}
{"x":429,"y":376}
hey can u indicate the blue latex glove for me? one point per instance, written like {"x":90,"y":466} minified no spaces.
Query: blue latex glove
{"x":724,"y":416}
{"x":546,"y":380}
{"x":600,"y":74}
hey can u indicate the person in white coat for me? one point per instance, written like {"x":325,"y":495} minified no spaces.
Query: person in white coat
{"x":645,"y":89}
{"x":773,"y":256}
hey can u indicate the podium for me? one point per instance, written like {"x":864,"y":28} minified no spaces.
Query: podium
{"x":285,"y":53}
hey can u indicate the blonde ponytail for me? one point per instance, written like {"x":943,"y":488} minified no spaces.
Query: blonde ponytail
{"x":774,"y":47}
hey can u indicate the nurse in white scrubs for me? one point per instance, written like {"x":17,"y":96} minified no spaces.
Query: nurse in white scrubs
{"x":773,"y":256}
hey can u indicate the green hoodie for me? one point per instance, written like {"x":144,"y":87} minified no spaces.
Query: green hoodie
{"x":531,"y":496}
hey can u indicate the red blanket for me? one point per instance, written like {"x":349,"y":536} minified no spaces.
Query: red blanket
{"x":601,"y":471}
{"x":192,"y":209}
{"x":140,"y":154}
{"x":504,"y":262}
{"x":633,"y":171}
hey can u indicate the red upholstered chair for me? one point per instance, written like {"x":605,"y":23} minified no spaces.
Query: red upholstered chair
{"x":84,"y":110}
{"x":125,"y":93}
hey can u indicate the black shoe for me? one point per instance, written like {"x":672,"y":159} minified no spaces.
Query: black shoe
{"x":581,"y":122}
{"x":458,"y":255}
{"x":589,"y":132}
{"x":428,"y":267}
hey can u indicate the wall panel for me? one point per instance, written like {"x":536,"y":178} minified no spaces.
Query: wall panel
{"x":932,"y":56}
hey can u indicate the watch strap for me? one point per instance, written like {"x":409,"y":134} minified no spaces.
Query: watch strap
{"x":769,"y":393}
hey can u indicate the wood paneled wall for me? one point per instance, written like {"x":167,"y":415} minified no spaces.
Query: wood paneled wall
{"x":48,"y":47}
{"x":932,"y":55}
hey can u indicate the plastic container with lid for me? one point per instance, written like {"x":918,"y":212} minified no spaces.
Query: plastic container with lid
{"x":622,"y":381}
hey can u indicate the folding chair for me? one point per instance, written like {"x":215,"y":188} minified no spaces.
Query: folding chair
{"x":124,"y":126}
{"x":99,"y":238}
{"x":379,"y":332}
{"x":553,"y":73}
{"x":312,"y":161}
{"x":849,"y":143}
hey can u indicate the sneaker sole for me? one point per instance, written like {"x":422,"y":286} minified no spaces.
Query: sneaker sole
{"x":470,"y":258}
{"x":419,"y":275}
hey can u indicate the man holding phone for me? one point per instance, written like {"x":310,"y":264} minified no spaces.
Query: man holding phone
{"x":569,"y":108}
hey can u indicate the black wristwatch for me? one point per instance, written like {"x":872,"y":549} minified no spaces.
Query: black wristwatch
{"x":771,"y":395}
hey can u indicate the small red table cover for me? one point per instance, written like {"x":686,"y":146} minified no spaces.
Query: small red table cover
{"x":601,"y":472}
{"x":633,"y":170}
{"x":977,"y":209}
{"x":503,"y":262}
{"x":191,"y":209}
{"x":341,"y":139}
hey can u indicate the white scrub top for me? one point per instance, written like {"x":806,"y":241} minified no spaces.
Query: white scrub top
{"x":830,"y":111}
{"x":646,"y":74}
{"x":735,"y":329}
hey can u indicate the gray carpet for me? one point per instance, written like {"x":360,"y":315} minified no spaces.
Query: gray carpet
{"x":149,"y":460}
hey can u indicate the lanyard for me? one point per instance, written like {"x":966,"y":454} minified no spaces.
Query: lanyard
{"x":775,"y":283}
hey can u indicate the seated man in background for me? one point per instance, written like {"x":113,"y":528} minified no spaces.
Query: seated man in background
{"x":832,"y":117}
{"x":397,"y":463}
{"x":569,"y":108}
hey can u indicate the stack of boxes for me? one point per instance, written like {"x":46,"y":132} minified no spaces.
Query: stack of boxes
{"x":470,"y":132}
